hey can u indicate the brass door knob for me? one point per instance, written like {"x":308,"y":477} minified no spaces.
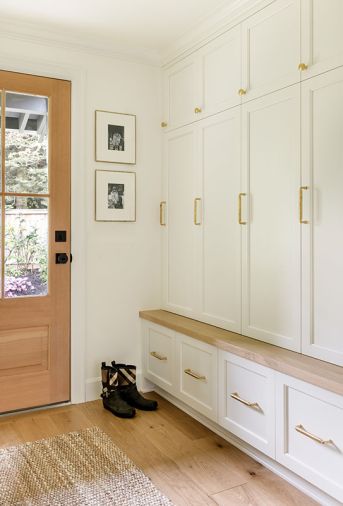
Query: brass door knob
{"x":164,"y":124}
{"x":242,"y":91}
{"x":197,"y":110}
{"x":302,"y":66}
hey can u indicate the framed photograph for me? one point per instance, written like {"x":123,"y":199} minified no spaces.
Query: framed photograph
{"x":115,"y":195}
{"x":115,"y":137}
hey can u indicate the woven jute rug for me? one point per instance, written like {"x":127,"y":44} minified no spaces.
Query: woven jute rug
{"x":78,"y":468}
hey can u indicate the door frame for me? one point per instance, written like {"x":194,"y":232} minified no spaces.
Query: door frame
{"x":77,"y":76}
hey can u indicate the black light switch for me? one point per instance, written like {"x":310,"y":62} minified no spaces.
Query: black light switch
{"x":60,"y":236}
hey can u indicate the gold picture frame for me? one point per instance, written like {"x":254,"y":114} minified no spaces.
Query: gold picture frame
{"x":115,"y":137}
{"x":115,"y":196}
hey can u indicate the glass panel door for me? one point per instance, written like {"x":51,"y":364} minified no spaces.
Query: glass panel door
{"x":24,"y":196}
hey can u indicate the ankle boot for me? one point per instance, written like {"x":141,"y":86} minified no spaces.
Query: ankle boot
{"x":111,"y":396}
{"x":128,"y":388}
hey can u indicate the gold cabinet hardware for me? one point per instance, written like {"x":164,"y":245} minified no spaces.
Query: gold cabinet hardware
{"x":164,"y":124}
{"x":158,"y":356}
{"x":195,"y":375}
{"x":195,"y":215}
{"x":197,"y":110}
{"x":302,"y":67}
{"x":240,"y":221}
{"x":254,"y":405}
{"x":162,"y":213}
{"x":301,"y":202}
{"x":242,"y":92}
{"x":301,"y":429}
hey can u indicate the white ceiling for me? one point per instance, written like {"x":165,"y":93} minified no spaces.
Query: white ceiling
{"x":150,"y":24}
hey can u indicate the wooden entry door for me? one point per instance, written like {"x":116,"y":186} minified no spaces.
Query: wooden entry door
{"x":35,"y":231}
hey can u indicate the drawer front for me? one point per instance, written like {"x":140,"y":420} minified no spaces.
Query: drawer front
{"x":197,"y":369}
{"x":246,"y":401}
{"x":310,"y":433}
{"x":160,"y":356}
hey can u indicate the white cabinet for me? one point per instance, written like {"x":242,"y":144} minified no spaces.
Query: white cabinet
{"x":204,"y":83}
{"x":271,"y":236}
{"x":197,"y":370}
{"x":322,"y":35}
{"x":182,"y":93}
{"x":180,"y":234}
{"x":309,"y":433}
{"x":159,"y":356}
{"x":322,"y":161}
{"x":221,"y":72}
{"x":271,"y":48}
{"x":246,"y":401}
{"x":220,"y":247}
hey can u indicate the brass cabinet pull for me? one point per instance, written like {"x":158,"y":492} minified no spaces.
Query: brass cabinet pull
{"x":157,"y":355}
{"x":195,"y":375}
{"x":197,"y":110}
{"x":195,"y":215}
{"x":164,"y":124}
{"x":300,"y":428}
{"x":162,"y":213}
{"x":242,"y":92}
{"x":301,"y":199}
{"x":302,"y":67}
{"x":240,"y":221}
{"x":236,"y":396}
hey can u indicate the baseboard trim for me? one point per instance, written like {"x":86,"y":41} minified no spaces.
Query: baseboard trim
{"x":304,"y":486}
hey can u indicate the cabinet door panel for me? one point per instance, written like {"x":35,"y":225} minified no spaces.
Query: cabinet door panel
{"x":271,"y":238}
{"x":322,"y":35}
{"x":181,"y":92}
{"x":180,"y":231}
{"x":271,"y":48}
{"x":221,"y":70}
{"x":221,"y":244}
{"x":322,"y":151}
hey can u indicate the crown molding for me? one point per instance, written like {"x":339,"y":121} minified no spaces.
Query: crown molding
{"x":33,"y":33}
{"x":214,"y":25}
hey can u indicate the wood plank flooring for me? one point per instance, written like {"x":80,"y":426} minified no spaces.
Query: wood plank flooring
{"x":189,"y":463}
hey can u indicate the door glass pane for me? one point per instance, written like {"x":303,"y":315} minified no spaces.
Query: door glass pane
{"x":26,"y":143}
{"x":26,"y":246}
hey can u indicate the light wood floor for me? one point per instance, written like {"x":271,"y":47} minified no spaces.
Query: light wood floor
{"x":186,"y":461}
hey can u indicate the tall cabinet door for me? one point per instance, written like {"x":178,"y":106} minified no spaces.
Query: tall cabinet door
{"x":271,"y":48}
{"x":180,"y":213}
{"x":271,"y":238}
{"x":221,"y":243}
{"x":322,"y":35}
{"x":322,"y":151}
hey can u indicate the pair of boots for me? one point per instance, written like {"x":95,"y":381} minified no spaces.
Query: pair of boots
{"x":119,"y":391}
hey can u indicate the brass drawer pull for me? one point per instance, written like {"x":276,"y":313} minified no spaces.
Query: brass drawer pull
{"x":301,"y":202}
{"x":236,"y":396}
{"x":195,"y":217}
{"x":157,"y":355}
{"x":195,"y":375}
{"x":162,"y":213}
{"x":301,"y":429}
{"x":240,"y":221}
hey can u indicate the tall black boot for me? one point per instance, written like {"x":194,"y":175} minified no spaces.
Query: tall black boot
{"x":111,"y":396}
{"x":128,"y":388}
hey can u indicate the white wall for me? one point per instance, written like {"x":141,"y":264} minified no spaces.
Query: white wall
{"x":116,"y":268}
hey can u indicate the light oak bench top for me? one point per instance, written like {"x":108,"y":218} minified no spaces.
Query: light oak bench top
{"x":311,"y":370}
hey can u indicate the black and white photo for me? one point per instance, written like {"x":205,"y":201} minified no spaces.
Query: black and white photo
{"x":115,"y":137}
{"x":115,"y":195}
{"x":115,"y":198}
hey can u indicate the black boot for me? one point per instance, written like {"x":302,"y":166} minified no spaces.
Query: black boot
{"x":128,"y":388}
{"x":111,"y":396}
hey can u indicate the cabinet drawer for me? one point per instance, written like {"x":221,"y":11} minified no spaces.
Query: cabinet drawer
{"x":160,"y":356}
{"x":197,"y":369}
{"x":246,"y":401}
{"x":310,"y":433}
